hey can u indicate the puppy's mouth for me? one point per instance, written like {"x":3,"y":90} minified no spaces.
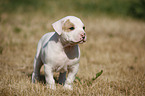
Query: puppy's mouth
{"x":81,"y":41}
{"x":70,"y":42}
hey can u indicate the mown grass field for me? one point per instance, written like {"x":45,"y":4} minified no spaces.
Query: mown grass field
{"x":114,"y":45}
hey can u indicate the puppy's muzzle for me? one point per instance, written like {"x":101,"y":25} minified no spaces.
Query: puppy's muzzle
{"x":83,"y":38}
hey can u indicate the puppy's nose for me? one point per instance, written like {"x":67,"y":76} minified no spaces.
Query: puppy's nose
{"x":83,"y":35}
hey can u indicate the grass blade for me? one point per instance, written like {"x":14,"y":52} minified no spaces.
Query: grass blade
{"x":97,"y":75}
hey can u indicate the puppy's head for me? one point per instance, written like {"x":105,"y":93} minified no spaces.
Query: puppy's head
{"x":71,"y":29}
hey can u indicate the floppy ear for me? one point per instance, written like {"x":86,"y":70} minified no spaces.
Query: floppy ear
{"x":58,"y":26}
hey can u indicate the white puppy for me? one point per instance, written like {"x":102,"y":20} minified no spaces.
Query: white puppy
{"x":59,"y":52}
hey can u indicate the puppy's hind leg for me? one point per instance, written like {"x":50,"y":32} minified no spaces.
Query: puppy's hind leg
{"x":62,"y":78}
{"x":37,"y":64}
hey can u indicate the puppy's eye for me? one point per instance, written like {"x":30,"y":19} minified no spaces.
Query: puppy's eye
{"x":84,"y":27}
{"x":71,"y":28}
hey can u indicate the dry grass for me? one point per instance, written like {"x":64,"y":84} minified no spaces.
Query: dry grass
{"x":116,"y":46}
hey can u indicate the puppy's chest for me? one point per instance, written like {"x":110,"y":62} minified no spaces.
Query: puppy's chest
{"x":60,"y":59}
{"x":64,"y":62}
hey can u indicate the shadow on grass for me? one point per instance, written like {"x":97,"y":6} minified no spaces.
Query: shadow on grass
{"x":89,"y":81}
{"x":42,"y":78}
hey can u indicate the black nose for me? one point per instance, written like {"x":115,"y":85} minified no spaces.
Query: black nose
{"x":83,"y":37}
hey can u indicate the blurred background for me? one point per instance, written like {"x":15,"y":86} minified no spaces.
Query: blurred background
{"x":115,"y":44}
{"x":127,"y":8}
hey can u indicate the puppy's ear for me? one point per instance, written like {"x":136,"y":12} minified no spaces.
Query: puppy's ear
{"x":58,"y":26}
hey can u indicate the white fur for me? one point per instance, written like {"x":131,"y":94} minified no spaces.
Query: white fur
{"x":59,"y":52}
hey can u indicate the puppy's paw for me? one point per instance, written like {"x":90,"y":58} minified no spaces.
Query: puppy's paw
{"x":68,"y":87}
{"x":35,"y":78}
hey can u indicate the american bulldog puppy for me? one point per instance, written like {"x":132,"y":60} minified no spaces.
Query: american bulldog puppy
{"x":59,"y":52}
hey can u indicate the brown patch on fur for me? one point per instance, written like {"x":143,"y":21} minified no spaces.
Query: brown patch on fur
{"x":67,"y":25}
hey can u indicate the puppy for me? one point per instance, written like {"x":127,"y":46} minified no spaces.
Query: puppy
{"x":59,"y":52}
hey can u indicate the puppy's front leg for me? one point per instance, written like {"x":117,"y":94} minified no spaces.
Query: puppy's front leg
{"x":49,"y":76}
{"x":71,"y":76}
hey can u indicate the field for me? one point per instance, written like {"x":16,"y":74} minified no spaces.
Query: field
{"x":114,"y":45}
